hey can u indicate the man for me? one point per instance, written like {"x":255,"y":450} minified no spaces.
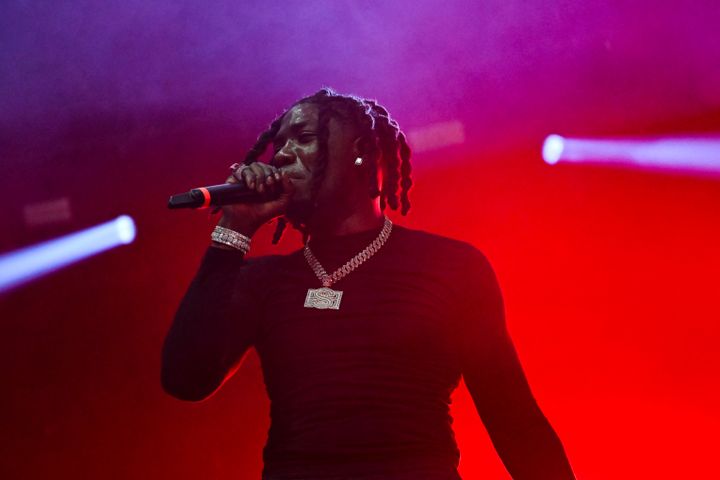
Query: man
{"x":363,"y":334}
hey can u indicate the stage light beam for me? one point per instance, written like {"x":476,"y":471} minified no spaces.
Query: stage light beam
{"x":24,"y":265}
{"x":681,"y":154}
{"x":553,"y":148}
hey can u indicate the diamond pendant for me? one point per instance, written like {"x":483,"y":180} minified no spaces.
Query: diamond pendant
{"x":323,"y":298}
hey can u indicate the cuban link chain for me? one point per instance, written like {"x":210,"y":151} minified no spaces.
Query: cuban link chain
{"x":327,"y":298}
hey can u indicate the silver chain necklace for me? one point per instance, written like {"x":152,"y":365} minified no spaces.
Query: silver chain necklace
{"x":327,"y":298}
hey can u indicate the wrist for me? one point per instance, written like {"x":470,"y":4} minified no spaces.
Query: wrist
{"x":226,"y":238}
{"x":245,"y":227}
{"x":222,"y":246}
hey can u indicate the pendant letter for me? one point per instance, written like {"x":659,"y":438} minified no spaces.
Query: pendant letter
{"x":323,"y":298}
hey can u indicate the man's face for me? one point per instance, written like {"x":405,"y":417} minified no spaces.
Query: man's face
{"x":296,"y":149}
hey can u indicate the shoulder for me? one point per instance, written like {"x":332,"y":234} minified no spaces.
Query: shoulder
{"x":436,"y":244}
{"x":459,"y":260}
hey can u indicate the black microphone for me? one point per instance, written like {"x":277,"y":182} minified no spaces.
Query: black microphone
{"x":217,"y":195}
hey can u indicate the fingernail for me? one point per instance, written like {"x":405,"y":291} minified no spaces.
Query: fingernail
{"x":269,"y":180}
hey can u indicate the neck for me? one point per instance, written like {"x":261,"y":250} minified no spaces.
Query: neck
{"x":360,"y":220}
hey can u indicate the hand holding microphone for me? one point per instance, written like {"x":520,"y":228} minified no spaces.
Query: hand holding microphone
{"x":251,"y":196}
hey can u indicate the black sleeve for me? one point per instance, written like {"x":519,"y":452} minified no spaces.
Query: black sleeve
{"x":520,"y":433}
{"x":490,"y":364}
{"x":214,"y":326}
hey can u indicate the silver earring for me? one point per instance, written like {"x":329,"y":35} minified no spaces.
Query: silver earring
{"x":358,"y":161}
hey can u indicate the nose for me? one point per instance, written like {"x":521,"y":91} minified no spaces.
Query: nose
{"x":283,"y":157}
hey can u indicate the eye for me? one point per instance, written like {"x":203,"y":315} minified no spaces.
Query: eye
{"x":306,"y":137}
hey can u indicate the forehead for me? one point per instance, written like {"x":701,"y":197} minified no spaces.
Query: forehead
{"x":302,"y":115}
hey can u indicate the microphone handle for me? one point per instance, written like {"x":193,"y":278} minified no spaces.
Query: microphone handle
{"x":218,"y":195}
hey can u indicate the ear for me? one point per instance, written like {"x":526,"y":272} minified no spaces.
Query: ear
{"x":363,"y":146}
{"x":359,"y":147}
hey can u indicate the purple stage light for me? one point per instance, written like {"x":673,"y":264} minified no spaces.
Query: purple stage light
{"x":689,"y":154}
{"x":35,"y":261}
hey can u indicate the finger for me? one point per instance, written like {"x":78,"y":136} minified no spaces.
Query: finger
{"x":238,"y":176}
{"x":275,"y":173}
{"x":257,"y":169}
{"x":269,"y":174}
{"x":245,"y":175}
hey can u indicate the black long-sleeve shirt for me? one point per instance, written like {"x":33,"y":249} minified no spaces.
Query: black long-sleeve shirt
{"x":363,"y":391}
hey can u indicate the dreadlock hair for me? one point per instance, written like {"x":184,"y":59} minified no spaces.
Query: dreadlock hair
{"x":382,"y":138}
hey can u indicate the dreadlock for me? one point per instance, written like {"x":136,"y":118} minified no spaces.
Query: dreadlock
{"x":382,"y":138}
